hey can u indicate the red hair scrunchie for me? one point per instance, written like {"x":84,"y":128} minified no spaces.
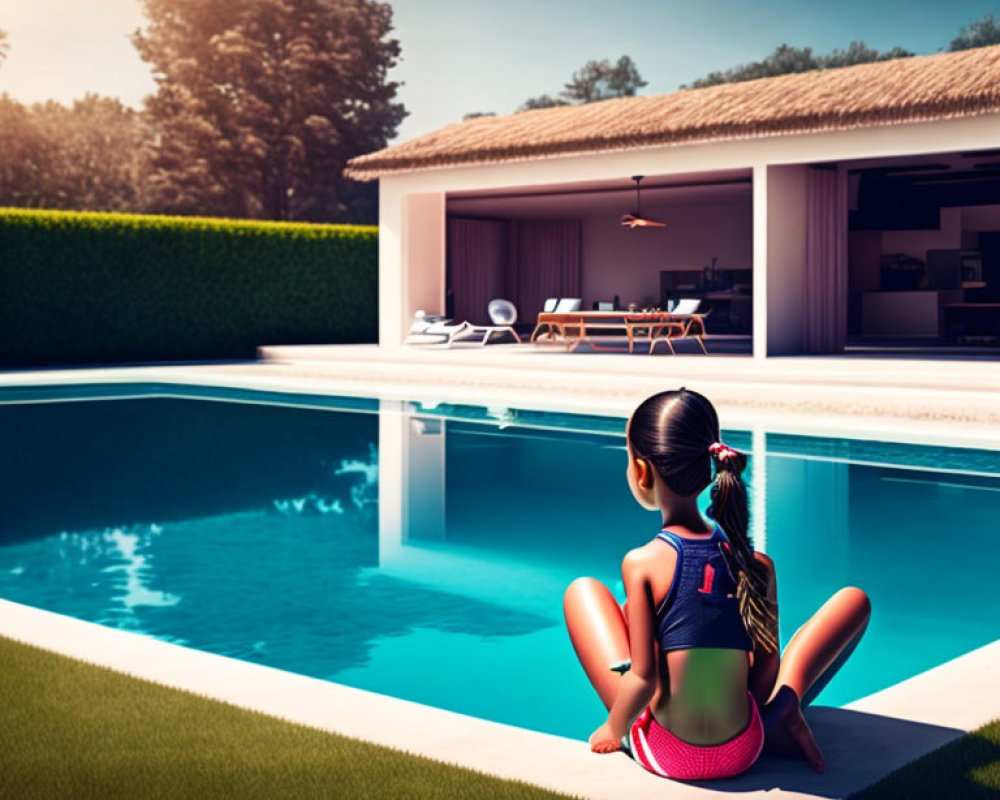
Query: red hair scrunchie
{"x":721,"y":452}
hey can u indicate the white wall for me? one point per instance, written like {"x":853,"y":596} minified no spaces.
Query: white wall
{"x":785,"y":257}
{"x":426,"y":228}
{"x":627,"y":262}
{"x":411,"y":260}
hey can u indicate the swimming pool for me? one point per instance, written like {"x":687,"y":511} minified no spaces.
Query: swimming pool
{"x":421,"y":550}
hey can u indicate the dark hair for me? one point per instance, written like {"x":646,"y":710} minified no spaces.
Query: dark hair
{"x":673,"y":431}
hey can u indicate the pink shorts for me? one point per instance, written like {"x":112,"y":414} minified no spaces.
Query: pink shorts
{"x":659,"y":751}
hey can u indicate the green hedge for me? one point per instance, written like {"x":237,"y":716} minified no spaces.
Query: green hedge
{"x":81,"y":288}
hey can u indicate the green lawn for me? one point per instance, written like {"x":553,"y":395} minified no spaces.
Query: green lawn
{"x":968,"y":768}
{"x":72,"y":730}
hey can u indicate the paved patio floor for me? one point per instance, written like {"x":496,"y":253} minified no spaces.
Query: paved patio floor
{"x":945,"y":399}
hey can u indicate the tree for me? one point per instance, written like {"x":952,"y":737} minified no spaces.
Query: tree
{"x":542,"y":101}
{"x":260,"y":103}
{"x":82,"y":157}
{"x":602,"y":80}
{"x":596,"y":80}
{"x":786,"y":59}
{"x":4,"y":45}
{"x":94,"y":150}
{"x":859,"y":53}
{"x":24,"y":166}
{"x":978,"y":33}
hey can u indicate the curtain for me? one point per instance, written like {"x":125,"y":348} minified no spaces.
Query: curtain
{"x":825,"y":282}
{"x":477,"y":266}
{"x":547,"y":264}
{"x":524,"y":262}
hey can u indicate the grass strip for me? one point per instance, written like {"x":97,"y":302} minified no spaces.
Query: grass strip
{"x":967,"y":768}
{"x":74,"y":730}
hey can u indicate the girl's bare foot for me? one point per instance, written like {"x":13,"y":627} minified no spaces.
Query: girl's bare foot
{"x":786,"y":732}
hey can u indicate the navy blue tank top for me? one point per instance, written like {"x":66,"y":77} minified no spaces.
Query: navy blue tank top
{"x":700,"y":609}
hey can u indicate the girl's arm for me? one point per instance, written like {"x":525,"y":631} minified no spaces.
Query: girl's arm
{"x":638,"y":684}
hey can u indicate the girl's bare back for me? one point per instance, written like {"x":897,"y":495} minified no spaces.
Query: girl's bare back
{"x":702,"y":692}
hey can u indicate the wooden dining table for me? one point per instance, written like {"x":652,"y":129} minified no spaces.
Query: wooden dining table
{"x":578,"y":327}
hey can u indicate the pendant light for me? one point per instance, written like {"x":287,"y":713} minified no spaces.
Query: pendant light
{"x":637,"y":220}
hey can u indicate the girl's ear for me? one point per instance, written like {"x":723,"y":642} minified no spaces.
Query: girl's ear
{"x":643,"y":473}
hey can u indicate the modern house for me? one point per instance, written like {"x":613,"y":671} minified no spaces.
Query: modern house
{"x":811,"y":211}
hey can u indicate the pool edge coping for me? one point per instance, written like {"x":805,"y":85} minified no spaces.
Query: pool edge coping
{"x":266,"y":379}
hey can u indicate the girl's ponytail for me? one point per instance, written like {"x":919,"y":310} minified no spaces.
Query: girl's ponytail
{"x":730,"y":509}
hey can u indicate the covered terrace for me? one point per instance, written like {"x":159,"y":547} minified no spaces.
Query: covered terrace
{"x":803,"y":188}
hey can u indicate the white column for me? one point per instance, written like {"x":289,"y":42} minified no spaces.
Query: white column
{"x":411,"y":258}
{"x":423,"y":249}
{"x":759,"y":331}
{"x":391,"y":314}
{"x":785,"y":259}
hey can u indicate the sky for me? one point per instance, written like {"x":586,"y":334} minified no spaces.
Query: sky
{"x":461,"y":56}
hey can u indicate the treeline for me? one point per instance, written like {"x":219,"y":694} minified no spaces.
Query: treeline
{"x":601,"y":80}
{"x":786,"y":59}
{"x":83,"y":157}
{"x":259,"y":106}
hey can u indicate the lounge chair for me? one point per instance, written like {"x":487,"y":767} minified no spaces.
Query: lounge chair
{"x":562,"y":305}
{"x":686,"y":305}
{"x":685,"y":322}
{"x":503,"y":313}
{"x":434,"y":329}
{"x":556,"y":305}
{"x":567,"y":305}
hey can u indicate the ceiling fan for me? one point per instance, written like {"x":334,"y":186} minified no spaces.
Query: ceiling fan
{"x":637,"y":220}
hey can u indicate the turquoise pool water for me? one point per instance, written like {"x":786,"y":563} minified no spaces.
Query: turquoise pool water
{"x":224,"y":521}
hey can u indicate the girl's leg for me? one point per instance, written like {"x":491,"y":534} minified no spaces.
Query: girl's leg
{"x":819,"y":648}
{"x":599,"y":634}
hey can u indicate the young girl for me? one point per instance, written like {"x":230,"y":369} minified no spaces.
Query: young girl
{"x":689,"y":669}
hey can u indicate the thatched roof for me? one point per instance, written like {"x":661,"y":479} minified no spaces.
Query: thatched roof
{"x":960,"y":84}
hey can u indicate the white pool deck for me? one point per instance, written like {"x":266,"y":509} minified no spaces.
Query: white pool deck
{"x":932,"y":401}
